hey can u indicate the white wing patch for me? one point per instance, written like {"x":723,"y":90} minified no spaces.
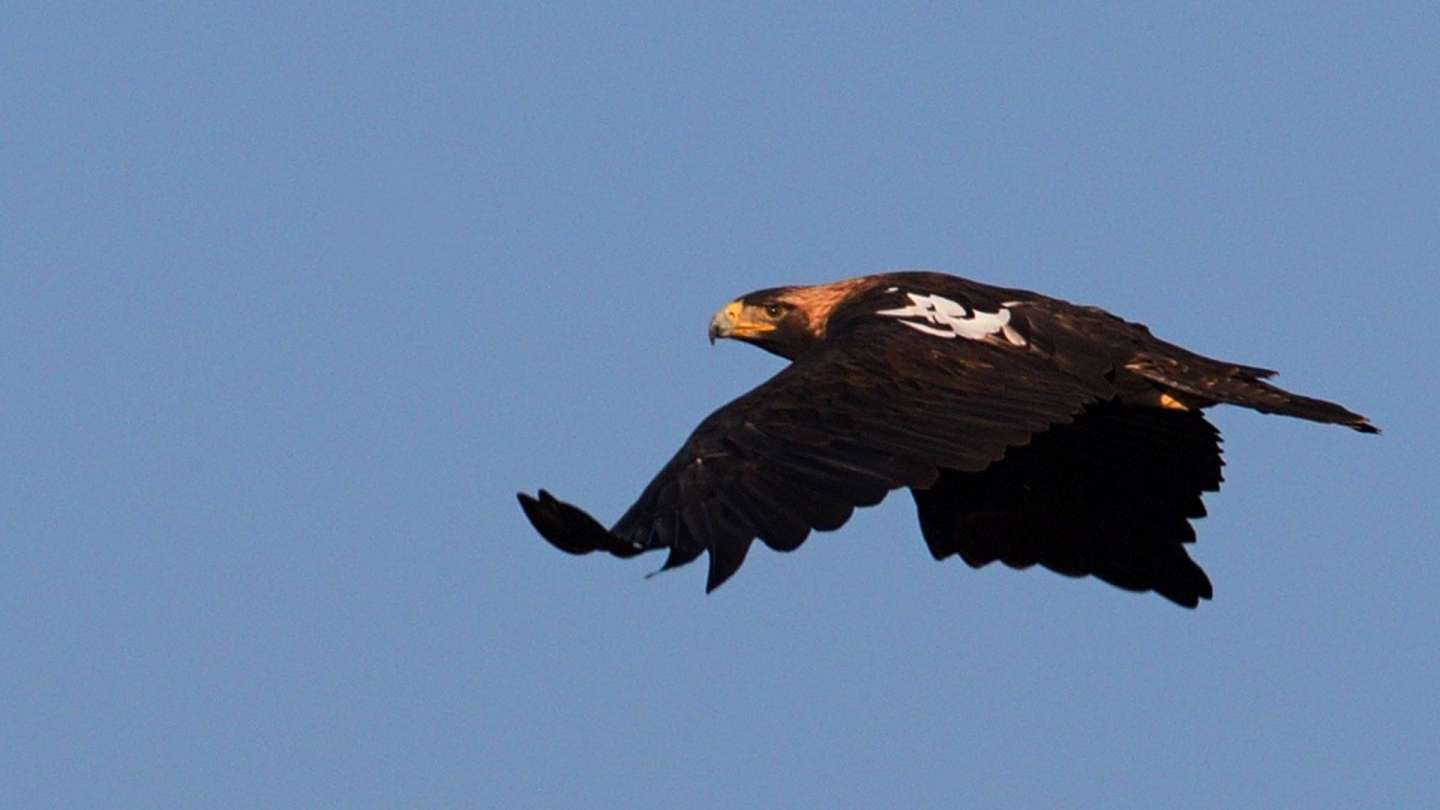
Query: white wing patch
{"x":939,"y":316}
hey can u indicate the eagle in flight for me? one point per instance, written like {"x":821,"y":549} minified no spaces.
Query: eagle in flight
{"x":1028,"y":430}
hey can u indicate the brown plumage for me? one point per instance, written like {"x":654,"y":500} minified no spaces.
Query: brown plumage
{"x":1029,"y":431}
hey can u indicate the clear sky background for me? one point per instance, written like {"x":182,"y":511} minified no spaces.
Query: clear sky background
{"x":293,"y":301}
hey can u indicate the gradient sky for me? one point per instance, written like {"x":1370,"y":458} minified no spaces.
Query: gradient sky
{"x":293,"y":301}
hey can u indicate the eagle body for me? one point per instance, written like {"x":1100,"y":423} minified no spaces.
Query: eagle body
{"x":1028,"y":430}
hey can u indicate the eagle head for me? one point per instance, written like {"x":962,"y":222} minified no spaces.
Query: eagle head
{"x":787,"y":320}
{"x":774,"y":319}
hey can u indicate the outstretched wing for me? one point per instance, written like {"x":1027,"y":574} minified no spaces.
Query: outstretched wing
{"x":874,"y":409}
{"x":1108,"y":495}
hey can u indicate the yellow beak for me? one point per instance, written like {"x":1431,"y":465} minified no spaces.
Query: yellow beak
{"x":724,"y":323}
{"x":730,"y":322}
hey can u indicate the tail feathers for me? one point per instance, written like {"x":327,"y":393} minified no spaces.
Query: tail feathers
{"x":1271,"y":399}
{"x":1214,"y":382}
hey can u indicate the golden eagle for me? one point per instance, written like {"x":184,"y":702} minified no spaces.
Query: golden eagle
{"x":1028,"y":429}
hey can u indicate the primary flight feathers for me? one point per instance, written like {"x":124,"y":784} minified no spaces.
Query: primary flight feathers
{"x":1028,"y":430}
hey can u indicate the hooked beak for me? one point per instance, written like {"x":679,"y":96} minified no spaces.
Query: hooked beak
{"x":725,"y":322}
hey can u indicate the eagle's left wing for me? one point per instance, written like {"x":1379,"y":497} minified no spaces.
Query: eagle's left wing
{"x":879,"y":407}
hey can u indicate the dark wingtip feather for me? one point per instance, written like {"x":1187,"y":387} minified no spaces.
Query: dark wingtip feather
{"x":1192,"y":587}
{"x":725,"y":560}
{"x":568,"y":527}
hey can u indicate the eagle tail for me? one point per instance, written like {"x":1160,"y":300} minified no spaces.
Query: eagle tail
{"x":1268,"y":398}
{"x":1211,"y":382}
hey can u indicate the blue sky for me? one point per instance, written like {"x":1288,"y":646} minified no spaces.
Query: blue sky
{"x":294,"y":300}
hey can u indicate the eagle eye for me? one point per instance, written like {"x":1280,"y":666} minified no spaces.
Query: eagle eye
{"x":774,"y":310}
